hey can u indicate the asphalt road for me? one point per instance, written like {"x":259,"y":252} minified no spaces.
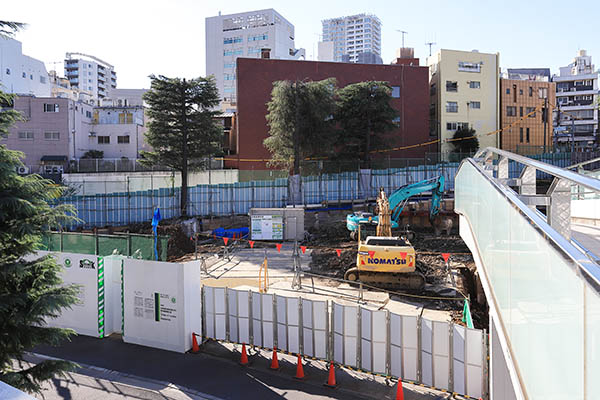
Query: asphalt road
{"x":201,"y":375}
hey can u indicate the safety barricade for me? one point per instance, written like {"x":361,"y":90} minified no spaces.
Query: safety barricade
{"x":437,"y":354}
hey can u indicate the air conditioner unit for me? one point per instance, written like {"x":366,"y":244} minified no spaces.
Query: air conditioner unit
{"x":22,"y":170}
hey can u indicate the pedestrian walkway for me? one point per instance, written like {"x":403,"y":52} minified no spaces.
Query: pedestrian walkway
{"x":588,"y":236}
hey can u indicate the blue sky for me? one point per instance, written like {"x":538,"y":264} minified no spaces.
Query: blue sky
{"x":167,"y":37}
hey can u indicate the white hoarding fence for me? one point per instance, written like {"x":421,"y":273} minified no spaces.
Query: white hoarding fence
{"x":435,"y":353}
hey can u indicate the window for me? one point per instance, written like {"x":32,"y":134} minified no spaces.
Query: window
{"x":88,"y":114}
{"x":231,"y":40}
{"x":237,"y":52}
{"x":451,"y":126}
{"x":31,"y":76}
{"x":469,"y":67}
{"x":511,"y":111}
{"x":521,"y":135}
{"x":475,"y":104}
{"x":396,"y":92}
{"x":42,"y":79}
{"x":462,"y":125}
{"x":451,"y":106}
{"x":527,"y":135}
{"x":474,"y":84}
{"x":520,"y":111}
{"x":52,"y":135}
{"x":530,"y":91}
{"x":255,"y":38}
{"x":543,"y":93}
{"x":51,"y":107}
{"x":229,"y":77}
{"x":125,"y":118}
{"x":507,"y":90}
{"x":529,"y":110}
{"x":514,"y":93}
{"x":103,"y":139}
{"x":229,"y":65}
{"x":451,"y":86}
{"x":520,"y":92}
{"x":7,"y":71}
{"x":123,"y":139}
{"x":24,"y":75}
{"x":25,"y":135}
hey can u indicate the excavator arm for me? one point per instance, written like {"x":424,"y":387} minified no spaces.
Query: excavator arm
{"x":399,"y":198}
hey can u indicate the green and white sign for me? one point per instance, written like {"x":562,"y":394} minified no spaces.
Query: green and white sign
{"x":267,"y":227}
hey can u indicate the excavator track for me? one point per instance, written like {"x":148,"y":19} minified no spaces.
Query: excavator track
{"x":387,"y":280}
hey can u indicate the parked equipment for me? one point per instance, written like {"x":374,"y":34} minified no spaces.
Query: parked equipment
{"x":397,"y":201}
{"x":385,"y":260}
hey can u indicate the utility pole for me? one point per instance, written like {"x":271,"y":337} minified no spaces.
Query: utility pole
{"x":296,"y":137}
{"x":403,"y":33}
{"x":430,"y":44}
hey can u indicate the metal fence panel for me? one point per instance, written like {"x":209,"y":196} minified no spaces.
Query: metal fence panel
{"x":209,"y":312}
{"x":474,"y":356}
{"x":220,"y":314}
{"x":243,"y":316}
{"x":268,"y":321}
{"x":427,"y":352}
{"x":411,"y":347}
{"x":314,"y":328}
{"x":441,"y":355}
{"x":257,"y":336}
{"x":374,"y":337}
{"x":459,"y":334}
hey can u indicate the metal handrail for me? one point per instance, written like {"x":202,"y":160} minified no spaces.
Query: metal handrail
{"x":574,"y":177}
{"x":587,"y":267}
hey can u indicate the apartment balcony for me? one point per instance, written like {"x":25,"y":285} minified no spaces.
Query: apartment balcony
{"x":72,"y":73}
{"x":580,"y":91}
{"x":576,"y":105}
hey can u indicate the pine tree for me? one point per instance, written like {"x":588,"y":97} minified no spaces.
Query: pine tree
{"x":300,"y":120}
{"x":31,"y":290}
{"x":465,"y":141}
{"x":365,"y":117}
{"x":182,"y":130}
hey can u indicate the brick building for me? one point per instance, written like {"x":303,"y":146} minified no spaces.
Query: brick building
{"x":520,"y":95}
{"x":255,"y":79}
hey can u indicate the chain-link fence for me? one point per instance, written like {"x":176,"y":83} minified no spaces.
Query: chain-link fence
{"x":129,"y":244}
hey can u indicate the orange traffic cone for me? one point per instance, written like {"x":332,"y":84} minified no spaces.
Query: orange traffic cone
{"x":399,"y":391}
{"x":274,"y":361}
{"x":331,"y":381}
{"x":195,"y":347}
{"x":244,"y":358}
{"x":299,"y":369}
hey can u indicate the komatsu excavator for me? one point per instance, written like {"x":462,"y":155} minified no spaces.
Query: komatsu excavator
{"x":397,"y":201}
{"x":385,"y":260}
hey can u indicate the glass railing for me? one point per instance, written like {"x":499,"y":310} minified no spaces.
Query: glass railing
{"x":549,"y":311}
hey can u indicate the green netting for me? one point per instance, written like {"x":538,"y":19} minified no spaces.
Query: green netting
{"x":104,"y":245}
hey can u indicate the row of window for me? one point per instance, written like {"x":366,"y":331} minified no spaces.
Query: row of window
{"x":469,"y":66}
{"x":452,"y":86}
{"x":239,"y":39}
{"x":452,"y":106}
{"x":453,"y":126}
{"x":511,"y":111}
{"x":542,"y":92}
{"x":120,"y":139}
{"x":47,"y":135}
{"x":237,"y":52}
{"x":24,"y":75}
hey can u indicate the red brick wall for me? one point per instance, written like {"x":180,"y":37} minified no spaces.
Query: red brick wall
{"x":255,"y":79}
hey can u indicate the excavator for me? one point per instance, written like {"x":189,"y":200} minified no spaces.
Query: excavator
{"x":397,"y":201}
{"x":385,"y":260}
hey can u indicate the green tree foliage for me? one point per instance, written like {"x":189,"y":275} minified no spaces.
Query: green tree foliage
{"x":93,"y":154}
{"x":365,"y":118}
{"x":301,"y":121}
{"x":465,"y":141}
{"x":31,"y":290}
{"x":8,"y":28}
{"x":182,"y":129}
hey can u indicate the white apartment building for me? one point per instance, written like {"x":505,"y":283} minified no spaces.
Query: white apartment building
{"x":576,"y":111}
{"x":90,"y":74}
{"x":21,"y":74}
{"x":245,"y":35}
{"x":352,"y":36}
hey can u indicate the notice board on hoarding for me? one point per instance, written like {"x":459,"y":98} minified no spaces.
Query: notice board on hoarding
{"x":86,"y":271}
{"x":161,"y":303}
{"x":267,"y":227}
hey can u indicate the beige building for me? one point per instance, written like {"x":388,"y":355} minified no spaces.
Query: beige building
{"x":464,"y":90}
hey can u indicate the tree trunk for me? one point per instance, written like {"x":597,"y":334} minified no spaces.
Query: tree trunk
{"x":296,"y":136}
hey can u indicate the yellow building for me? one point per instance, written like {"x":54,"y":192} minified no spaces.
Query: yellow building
{"x":464,"y":90}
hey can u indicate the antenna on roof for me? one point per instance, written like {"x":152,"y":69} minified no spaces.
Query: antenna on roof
{"x":403,"y":33}
{"x":429,"y":44}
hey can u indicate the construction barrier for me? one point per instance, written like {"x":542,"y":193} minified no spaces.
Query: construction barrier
{"x":127,"y":244}
{"x":437,"y":354}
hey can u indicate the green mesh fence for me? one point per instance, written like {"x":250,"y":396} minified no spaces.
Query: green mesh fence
{"x":128,"y":244}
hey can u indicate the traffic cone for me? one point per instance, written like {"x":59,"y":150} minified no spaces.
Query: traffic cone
{"x":195,"y":347}
{"x":299,"y":369}
{"x":399,"y":391}
{"x":274,"y":361}
{"x":244,"y":358}
{"x":331,"y":381}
